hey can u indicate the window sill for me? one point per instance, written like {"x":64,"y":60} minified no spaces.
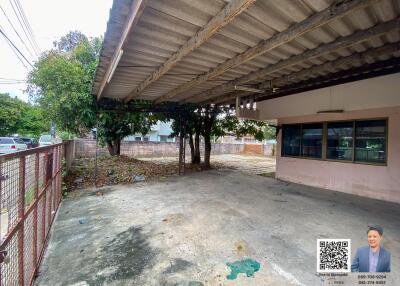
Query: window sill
{"x":337,"y":161}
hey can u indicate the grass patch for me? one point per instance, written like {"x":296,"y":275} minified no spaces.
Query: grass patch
{"x":268,"y":175}
{"x":29,"y":196}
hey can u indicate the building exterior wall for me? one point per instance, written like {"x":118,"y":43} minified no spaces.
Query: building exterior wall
{"x":374,"y":181}
{"x":370,"y":93}
{"x":158,"y":131}
{"x":365,"y":99}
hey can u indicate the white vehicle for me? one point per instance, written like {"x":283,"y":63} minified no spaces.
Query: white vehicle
{"x":46,"y":140}
{"x":11,"y":145}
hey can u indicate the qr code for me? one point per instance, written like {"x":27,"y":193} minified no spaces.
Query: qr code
{"x":333,"y":255}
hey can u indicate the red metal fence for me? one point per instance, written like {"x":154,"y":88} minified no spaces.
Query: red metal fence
{"x":30,"y":193}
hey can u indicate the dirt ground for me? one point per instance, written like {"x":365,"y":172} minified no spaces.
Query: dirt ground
{"x":253,"y":164}
{"x":191,"y":230}
{"x":126,"y":170}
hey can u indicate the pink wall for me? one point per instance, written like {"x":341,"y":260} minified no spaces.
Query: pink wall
{"x":379,"y":182}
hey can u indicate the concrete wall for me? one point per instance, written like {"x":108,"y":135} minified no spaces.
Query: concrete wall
{"x":380,"y":182}
{"x":87,"y":147}
{"x":69,"y":153}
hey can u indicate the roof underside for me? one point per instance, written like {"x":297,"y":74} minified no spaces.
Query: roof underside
{"x":364,"y":36}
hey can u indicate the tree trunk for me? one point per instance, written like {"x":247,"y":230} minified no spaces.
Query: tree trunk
{"x":208,"y":124}
{"x":207,"y":142}
{"x":114,"y":147}
{"x":191,"y":147}
{"x":197,"y":157}
{"x":207,"y":149}
{"x":117,"y":145}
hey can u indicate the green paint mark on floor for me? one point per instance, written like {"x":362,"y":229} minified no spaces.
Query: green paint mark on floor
{"x":246,"y":266}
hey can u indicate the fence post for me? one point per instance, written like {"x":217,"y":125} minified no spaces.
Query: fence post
{"x":46,"y":163}
{"x":21,"y":211}
{"x":51,"y":185}
{"x":35,"y":210}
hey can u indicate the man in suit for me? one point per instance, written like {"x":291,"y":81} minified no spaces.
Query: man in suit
{"x":372,"y":258}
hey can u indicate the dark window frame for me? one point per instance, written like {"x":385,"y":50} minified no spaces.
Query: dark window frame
{"x":325,"y":141}
{"x":300,"y":145}
{"x":352,"y":137}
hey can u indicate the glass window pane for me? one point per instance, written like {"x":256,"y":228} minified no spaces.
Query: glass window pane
{"x":6,"y":141}
{"x":291,"y":139}
{"x":371,"y":141}
{"x":340,"y":141}
{"x":18,"y":141}
{"x":312,"y":140}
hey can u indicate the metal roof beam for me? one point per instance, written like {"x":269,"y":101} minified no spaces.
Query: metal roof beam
{"x":225,"y":16}
{"x":360,"y":73}
{"x":337,"y":10}
{"x":305,"y":74}
{"x":340,"y":43}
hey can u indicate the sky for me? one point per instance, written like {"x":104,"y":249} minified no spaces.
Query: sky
{"x":49,"y":20}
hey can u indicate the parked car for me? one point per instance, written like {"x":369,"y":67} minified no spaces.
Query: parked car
{"x":10,"y":145}
{"x":46,"y":140}
{"x":30,"y":142}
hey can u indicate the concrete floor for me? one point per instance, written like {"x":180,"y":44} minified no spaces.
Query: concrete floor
{"x":183,"y":231}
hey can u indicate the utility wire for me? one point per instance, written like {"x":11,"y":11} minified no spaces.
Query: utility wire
{"x":15,"y":49}
{"x":16,"y":54}
{"x":22,"y":41}
{"x":24,"y":28}
{"x":25,"y":19}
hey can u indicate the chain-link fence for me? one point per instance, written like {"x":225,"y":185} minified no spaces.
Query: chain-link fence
{"x":30,"y":192}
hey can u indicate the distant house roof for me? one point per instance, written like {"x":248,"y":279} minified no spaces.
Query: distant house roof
{"x":211,"y":51}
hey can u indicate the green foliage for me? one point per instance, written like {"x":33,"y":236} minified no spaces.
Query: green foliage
{"x":269,"y":132}
{"x":68,"y":42}
{"x":224,"y":122}
{"x":10,"y":114}
{"x":61,"y":82}
{"x":17,"y":116}
{"x":115,"y":126}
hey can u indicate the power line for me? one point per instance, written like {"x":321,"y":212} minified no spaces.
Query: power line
{"x":16,"y":54}
{"x":23,"y":42}
{"x":25,"y":19}
{"x":24,"y":28}
{"x":15,"y":49}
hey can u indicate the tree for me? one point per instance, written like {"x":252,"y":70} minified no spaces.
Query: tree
{"x":114,"y":126}
{"x":189,"y":116}
{"x":70,"y":41}
{"x":61,"y":82}
{"x":10,"y":114}
{"x":17,"y":116}
{"x":208,"y":121}
{"x":33,"y":122}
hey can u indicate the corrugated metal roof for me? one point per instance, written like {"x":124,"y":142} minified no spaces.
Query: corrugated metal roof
{"x":165,"y":26}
